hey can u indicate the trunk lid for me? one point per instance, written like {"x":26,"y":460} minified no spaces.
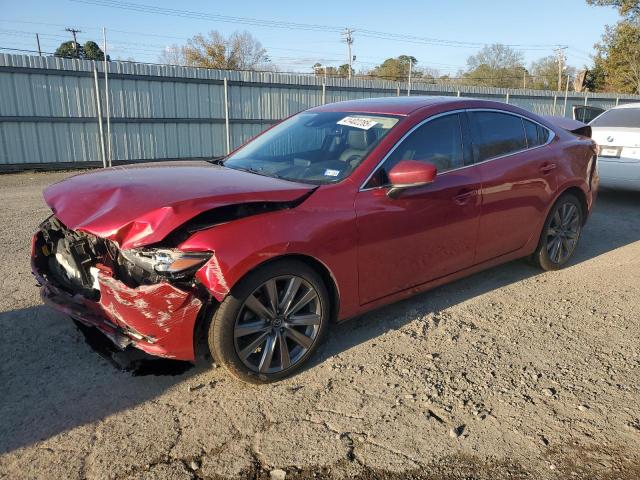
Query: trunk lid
{"x":618,"y":143}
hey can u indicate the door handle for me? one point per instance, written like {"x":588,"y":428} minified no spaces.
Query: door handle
{"x":547,"y":168}
{"x":464,"y":196}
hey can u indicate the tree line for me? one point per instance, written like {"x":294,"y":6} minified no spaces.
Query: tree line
{"x":615,"y":67}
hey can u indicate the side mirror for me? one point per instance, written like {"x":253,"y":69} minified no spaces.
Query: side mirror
{"x":410,"y":173}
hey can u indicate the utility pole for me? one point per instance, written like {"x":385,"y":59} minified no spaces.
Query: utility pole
{"x":38,"y":42}
{"x":524,"y":79}
{"x":74,"y":32}
{"x":106,"y":94}
{"x":566,"y":95}
{"x":347,"y":34}
{"x":409,"y":82}
{"x":561,"y":60}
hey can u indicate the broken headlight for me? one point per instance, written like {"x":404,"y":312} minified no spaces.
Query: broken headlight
{"x":166,"y":261}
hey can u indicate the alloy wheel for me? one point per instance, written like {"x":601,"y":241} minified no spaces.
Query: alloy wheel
{"x":277,"y":324}
{"x":563,"y":232}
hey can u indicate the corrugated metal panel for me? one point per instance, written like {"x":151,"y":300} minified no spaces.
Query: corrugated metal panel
{"x":48,"y":106}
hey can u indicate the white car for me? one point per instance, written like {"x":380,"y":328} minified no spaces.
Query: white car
{"x":617,"y":132}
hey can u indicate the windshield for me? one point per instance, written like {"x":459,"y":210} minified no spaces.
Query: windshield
{"x":317,"y":148}
{"x":618,"y":117}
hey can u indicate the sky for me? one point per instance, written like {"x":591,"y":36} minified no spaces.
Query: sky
{"x":454,"y":29}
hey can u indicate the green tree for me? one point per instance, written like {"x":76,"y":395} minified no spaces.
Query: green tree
{"x":544,"y":74}
{"x":629,"y":9}
{"x":67,"y":50}
{"x":89,"y":51}
{"x":92,"y":51}
{"x":595,"y":79}
{"x":397,"y":68}
{"x":319,"y":70}
{"x":618,"y":57}
{"x":343,"y":70}
{"x":495,"y":65}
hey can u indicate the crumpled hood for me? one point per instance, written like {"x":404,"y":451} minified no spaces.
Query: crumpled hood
{"x":141,"y":204}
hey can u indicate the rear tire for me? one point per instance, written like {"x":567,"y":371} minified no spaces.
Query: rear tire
{"x":271,"y":322}
{"x":560,"y":234}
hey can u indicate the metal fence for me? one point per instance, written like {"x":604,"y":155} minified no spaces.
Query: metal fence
{"x":49,"y":107}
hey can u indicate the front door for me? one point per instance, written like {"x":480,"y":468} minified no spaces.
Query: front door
{"x":426,"y":232}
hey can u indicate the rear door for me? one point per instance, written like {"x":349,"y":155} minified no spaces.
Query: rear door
{"x":517,"y":179}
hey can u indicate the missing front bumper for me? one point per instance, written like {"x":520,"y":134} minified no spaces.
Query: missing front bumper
{"x":159,"y":319}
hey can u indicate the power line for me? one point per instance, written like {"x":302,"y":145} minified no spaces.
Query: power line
{"x":369,"y":33}
{"x":156,"y":49}
{"x":293,"y":25}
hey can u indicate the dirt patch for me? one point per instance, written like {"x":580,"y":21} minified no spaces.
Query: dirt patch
{"x":511,"y":373}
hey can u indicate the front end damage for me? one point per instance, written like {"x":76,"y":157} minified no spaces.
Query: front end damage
{"x":145,"y":299}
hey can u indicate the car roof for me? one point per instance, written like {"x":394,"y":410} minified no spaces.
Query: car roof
{"x":628,"y":105}
{"x":391,"y":105}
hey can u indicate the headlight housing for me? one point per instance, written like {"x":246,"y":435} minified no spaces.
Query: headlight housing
{"x":165,"y":261}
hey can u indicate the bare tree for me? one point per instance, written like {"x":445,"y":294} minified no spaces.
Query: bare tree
{"x":496,"y":57}
{"x":495,"y":65}
{"x":240,"y":51}
{"x":172,"y":55}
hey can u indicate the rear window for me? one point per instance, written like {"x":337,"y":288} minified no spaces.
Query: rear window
{"x":586,"y":114}
{"x":536,"y":134}
{"x":619,"y":117}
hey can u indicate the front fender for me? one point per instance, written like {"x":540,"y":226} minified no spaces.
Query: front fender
{"x":320,"y":228}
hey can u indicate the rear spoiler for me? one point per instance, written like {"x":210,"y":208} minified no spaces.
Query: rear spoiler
{"x":573,"y":126}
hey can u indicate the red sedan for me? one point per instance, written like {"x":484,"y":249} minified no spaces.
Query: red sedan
{"x":333,"y":212}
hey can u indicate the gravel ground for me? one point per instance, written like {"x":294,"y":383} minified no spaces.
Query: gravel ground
{"x":511,"y":373}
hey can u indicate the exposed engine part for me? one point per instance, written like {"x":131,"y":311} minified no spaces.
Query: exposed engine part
{"x":71,"y":257}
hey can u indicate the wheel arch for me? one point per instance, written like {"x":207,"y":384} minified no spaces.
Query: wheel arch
{"x":582,"y":198}
{"x":203,"y":320}
{"x":320,"y":268}
{"x":575,"y":190}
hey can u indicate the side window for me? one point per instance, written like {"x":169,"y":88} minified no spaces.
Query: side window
{"x":495,"y":134}
{"x":536,"y":134}
{"x":438,"y":142}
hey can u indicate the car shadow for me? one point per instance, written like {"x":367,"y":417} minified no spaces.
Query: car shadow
{"x":52,"y":381}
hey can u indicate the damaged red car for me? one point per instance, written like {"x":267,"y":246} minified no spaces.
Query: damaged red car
{"x":335,"y":211}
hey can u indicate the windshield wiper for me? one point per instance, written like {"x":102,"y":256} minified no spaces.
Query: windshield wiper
{"x":264,"y":173}
{"x":217,"y":161}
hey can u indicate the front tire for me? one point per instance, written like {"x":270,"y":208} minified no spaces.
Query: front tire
{"x":271,"y":322}
{"x":560,"y":234}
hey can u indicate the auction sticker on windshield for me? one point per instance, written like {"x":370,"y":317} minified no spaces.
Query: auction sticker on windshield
{"x":357,"y":122}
